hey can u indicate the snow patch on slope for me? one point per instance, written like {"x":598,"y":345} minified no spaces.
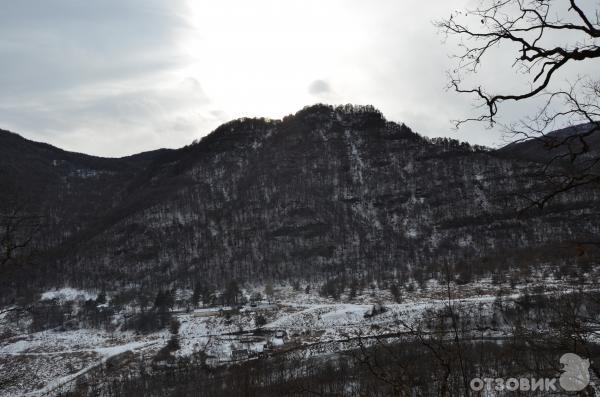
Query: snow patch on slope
{"x":68,"y":294}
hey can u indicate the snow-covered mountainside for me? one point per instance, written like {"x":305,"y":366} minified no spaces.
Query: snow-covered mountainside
{"x":319,"y":193}
{"x":303,"y":256}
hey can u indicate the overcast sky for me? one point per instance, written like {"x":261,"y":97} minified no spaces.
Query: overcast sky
{"x":116,"y":77}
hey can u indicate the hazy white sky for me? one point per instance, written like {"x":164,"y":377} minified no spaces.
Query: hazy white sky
{"x":116,"y":77}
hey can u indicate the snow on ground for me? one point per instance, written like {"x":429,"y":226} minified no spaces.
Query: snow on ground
{"x":42,"y":361}
{"x":217,"y":335}
{"x":105,"y":354}
{"x":330,"y":317}
{"x":68,"y":294}
{"x":321,"y":316}
{"x":56,"y":342}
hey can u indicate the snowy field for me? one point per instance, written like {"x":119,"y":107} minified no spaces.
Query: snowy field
{"x":43,"y":363}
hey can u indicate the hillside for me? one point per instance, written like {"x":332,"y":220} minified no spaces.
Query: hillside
{"x":557,"y":145}
{"x":327,"y":192}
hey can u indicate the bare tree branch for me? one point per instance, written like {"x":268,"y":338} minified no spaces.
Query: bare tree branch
{"x":531,"y":29}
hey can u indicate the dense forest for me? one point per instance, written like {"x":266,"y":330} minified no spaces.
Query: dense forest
{"x":327,"y":193}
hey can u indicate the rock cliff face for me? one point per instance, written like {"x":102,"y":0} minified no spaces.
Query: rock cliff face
{"x":324,"y":192}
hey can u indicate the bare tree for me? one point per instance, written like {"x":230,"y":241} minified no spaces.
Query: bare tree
{"x":544,"y":37}
{"x":18,"y":227}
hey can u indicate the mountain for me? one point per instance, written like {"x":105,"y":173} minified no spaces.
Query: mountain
{"x":556,"y":146}
{"x":326,"y":192}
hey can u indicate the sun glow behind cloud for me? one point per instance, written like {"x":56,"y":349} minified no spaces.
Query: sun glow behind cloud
{"x":263,"y":58}
{"x":260,"y":57}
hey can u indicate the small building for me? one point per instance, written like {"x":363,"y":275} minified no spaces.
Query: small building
{"x":281,"y":334}
{"x":228,"y":312}
{"x":275,"y":343}
{"x":240,"y":354}
{"x":261,"y":307}
{"x":206,"y":313}
{"x":374,"y":310}
{"x":250,"y":339}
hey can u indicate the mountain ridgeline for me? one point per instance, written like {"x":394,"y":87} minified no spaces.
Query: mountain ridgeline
{"x":328,"y":192}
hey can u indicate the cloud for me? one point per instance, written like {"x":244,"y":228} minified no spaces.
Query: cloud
{"x":117,"y":121}
{"x":59,"y":45}
{"x":100,"y":77}
{"x":319,"y":87}
{"x":114,"y":77}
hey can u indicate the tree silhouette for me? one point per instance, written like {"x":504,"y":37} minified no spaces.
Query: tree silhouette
{"x":18,"y":228}
{"x":545,"y":37}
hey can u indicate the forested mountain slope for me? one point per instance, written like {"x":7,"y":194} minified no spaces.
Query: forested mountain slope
{"x":322,"y":193}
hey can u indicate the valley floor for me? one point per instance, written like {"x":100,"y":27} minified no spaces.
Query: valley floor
{"x":53,"y":361}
